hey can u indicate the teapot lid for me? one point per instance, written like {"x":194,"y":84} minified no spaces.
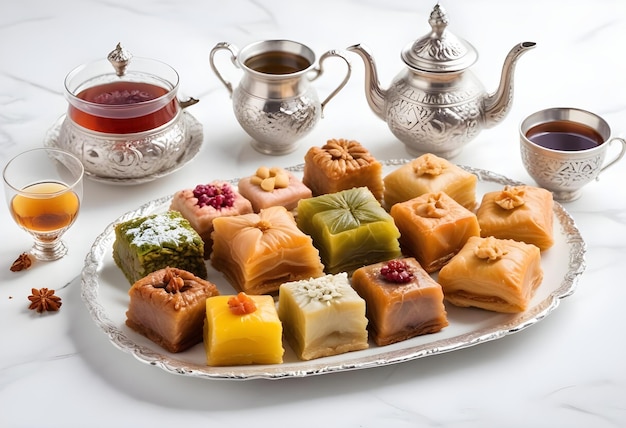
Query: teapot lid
{"x":440,"y":50}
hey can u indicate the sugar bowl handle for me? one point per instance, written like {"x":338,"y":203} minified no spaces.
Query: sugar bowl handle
{"x":320,"y":71}
{"x":233,"y":56}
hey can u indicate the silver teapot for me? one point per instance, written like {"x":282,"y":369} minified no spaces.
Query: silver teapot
{"x":436,"y":104}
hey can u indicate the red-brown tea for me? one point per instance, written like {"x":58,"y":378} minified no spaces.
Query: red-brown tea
{"x":564,"y":135}
{"x":277,"y":62}
{"x":123,"y":93}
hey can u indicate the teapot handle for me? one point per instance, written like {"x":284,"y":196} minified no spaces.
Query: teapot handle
{"x":233,"y":57}
{"x":320,"y":70}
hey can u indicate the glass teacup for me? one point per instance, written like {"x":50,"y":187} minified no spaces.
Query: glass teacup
{"x":123,"y":118}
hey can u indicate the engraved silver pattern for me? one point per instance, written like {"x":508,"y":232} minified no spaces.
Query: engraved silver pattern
{"x":124,"y":161}
{"x":105,"y":302}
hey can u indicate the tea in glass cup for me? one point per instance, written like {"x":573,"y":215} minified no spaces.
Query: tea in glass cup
{"x":124,"y":120}
{"x":563,"y":149}
{"x":44,"y":191}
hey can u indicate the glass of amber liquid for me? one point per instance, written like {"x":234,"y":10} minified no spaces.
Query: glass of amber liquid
{"x":44,"y":191}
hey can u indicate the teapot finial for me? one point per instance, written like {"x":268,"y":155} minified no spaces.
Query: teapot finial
{"x":438,"y":20}
{"x":119,"y":58}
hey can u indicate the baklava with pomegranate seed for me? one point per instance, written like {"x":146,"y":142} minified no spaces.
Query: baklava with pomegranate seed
{"x":274,"y":186}
{"x":341,"y":165}
{"x":523,"y":213}
{"x":427,"y":174}
{"x":322,"y":316}
{"x":146,"y":244}
{"x":402,"y":300}
{"x":498,"y":275}
{"x":167,"y":306}
{"x":258,"y":252}
{"x":202,"y":204}
{"x":433,"y":228}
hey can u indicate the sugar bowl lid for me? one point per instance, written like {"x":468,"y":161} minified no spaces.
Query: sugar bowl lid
{"x":439,"y":51}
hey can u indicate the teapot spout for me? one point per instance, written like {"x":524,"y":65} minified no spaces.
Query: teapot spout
{"x":374,"y":93}
{"x":498,"y":104}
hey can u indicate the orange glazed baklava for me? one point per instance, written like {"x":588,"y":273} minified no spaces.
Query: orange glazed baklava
{"x":522,"y":213}
{"x":258,"y":252}
{"x":341,"y":165}
{"x":402,"y":300}
{"x":428,"y":174}
{"x":167,"y":306}
{"x":499,"y":275}
{"x":433,"y":228}
{"x":274,"y":186}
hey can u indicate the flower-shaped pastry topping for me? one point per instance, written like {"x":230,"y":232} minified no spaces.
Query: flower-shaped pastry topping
{"x":511,"y":197}
{"x":241,"y":304}
{"x":174,"y":281}
{"x":343,"y":155}
{"x":490,"y":249}
{"x":433,"y":207}
{"x":269,"y":179}
{"x":429,"y":165}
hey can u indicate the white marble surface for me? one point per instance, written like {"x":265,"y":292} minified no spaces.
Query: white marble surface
{"x":568,"y":370}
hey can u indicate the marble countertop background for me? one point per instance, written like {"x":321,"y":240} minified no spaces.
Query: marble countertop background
{"x":60,"y":370}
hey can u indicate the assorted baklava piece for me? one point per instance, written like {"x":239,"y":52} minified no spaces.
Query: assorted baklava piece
{"x":433,"y":228}
{"x":430,"y":174}
{"x":523,"y":213}
{"x":499,"y":275}
{"x":349,"y":228}
{"x":341,"y":165}
{"x":146,"y":244}
{"x":322,"y":316}
{"x":258,"y":252}
{"x":168,"y":307}
{"x":242,"y":329}
{"x":270,"y":187}
{"x":402,"y":300}
{"x":204,"y":203}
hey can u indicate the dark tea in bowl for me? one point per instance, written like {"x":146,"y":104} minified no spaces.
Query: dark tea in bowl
{"x":563,"y":149}
{"x":564,"y":135}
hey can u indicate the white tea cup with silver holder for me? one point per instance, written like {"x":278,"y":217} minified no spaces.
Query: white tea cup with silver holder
{"x":274,"y":101}
{"x":564,"y":148}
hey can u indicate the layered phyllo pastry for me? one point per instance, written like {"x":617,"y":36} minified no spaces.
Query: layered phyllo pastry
{"x":340,"y":165}
{"x":146,"y":244}
{"x":270,"y":187}
{"x":322,"y":316}
{"x":499,"y":275}
{"x":205,"y":202}
{"x":168,"y":307}
{"x":402,"y":300}
{"x":258,"y":252}
{"x":350,"y":228}
{"x":523,"y":213}
{"x":433,"y":228}
{"x":430,"y":174}
{"x":242,"y":329}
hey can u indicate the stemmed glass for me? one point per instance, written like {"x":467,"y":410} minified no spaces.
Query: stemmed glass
{"x":44,"y":191}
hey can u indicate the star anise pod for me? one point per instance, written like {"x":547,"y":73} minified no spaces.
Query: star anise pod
{"x":44,"y":300}
{"x":23,"y":262}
